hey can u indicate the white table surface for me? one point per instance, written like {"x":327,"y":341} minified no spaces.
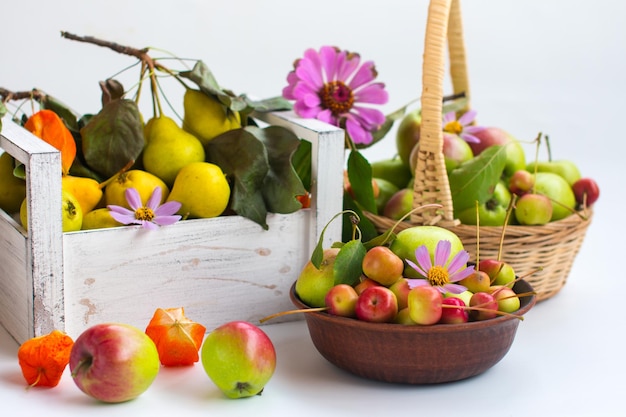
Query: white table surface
{"x":553,"y":66}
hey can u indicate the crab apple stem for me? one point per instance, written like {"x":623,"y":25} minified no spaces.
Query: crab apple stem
{"x":284,"y":313}
{"x":534,"y":271}
{"x":477,"y":308}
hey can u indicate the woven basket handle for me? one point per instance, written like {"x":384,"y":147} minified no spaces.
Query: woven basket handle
{"x":431,"y":180}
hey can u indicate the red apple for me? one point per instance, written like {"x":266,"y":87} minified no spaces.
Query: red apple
{"x":521,"y":182}
{"x":377,"y":304}
{"x":451,"y":315}
{"x":500,"y":273}
{"x":382,"y":265}
{"x":487,"y":303}
{"x":114,"y":362}
{"x":341,"y":300}
{"x":425,"y":305}
{"x":364,"y":284}
{"x":239,"y":358}
{"x":586,"y":188}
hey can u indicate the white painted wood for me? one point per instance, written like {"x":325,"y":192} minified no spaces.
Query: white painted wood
{"x":221,"y":269}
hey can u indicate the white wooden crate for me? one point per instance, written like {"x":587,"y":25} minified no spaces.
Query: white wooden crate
{"x":220,"y":269}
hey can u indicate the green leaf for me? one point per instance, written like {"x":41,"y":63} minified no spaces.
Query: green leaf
{"x":476,"y":178}
{"x":390,"y":119}
{"x":301,"y":161}
{"x":454,"y":105}
{"x":282,"y":184}
{"x":348,"y":265}
{"x":360,"y":176}
{"x":269,"y":104}
{"x":204,"y":78}
{"x":365,"y":226}
{"x":243,"y":157}
{"x":113,"y":137}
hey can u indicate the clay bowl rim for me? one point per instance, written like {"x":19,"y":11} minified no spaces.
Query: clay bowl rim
{"x":527,"y":303}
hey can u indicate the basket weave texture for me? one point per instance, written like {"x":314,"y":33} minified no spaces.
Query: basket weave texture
{"x":543,"y":255}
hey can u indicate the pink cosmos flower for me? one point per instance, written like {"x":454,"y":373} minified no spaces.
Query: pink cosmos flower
{"x":332,"y":85}
{"x":149,"y":216}
{"x":461,"y":127}
{"x":439,"y":275}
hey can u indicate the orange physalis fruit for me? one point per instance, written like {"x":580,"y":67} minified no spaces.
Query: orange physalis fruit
{"x":177,"y":338}
{"x":44,"y":358}
{"x":305,"y":200}
{"x":48,"y":126}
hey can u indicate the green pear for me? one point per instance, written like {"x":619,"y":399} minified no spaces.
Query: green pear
{"x":169,"y":148}
{"x":558,"y":191}
{"x":392,"y":170}
{"x":566,"y":169}
{"x":12,"y":188}
{"x":408,"y":134}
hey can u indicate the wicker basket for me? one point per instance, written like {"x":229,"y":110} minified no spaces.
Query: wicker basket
{"x":551,"y":247}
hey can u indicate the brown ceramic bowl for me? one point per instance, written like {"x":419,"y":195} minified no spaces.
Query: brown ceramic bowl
{"x":414,"y":354}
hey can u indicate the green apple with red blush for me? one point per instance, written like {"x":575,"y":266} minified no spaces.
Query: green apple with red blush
{"x":341,"y":300}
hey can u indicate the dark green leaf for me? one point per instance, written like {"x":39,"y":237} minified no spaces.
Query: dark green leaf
{"x":476,"y":178}
{"x":365,"y":226}
{"x":111,"y":90}
{"x":243,"y":157}
{"x":204,"y":78}
{"x":301,"y":161}
{"x":113,"y":137}
{"x":360,"y":176}
{"x":281,"y":184}
{"x":348,"y":265}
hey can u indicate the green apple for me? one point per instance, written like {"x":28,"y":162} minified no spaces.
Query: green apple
{"x":558,"y":190}
{"x":409,"y":239}
{"x":385,"y":190}
{"x":492,"y":212}
{"x":114,"y":362}
{"x":239,"y":358}
{"x":566,"y":169}
{"x":533,"y":209}
{"x":455,"y":151}
{"x":464,"y":296}
{"x":408,"y":134}
{"x":392,"y":170}
{"x":313,"y":284}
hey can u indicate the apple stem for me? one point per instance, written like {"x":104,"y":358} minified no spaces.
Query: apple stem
{"x":284,"y":313}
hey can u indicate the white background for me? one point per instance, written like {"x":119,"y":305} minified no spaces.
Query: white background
{"x":553,"y":66}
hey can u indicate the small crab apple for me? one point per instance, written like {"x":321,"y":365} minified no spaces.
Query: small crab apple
{"x":341,"y":300}
{"x":533,"y":209}
{"x":452,"y":315}
{"x":500,"y":272}
{"x":586,"y":188}
{"x":507,"y":299}
{"x":404,"y":317}
{"x":464,"y":296}
{"x":477,"y":281}
{"x":521,"y":182}
{"x":487,"y":303}
{"x":364,"y":284}
{"x":424,"y":304}
{"x":401,"y":289}
{"x":377,"y":304}
{"x":382,"y":265}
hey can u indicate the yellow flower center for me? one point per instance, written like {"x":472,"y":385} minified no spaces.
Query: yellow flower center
{"x":144,"y":213}
{"x":438,"y":276}
{"x":337,"y":97}
{"x":453,"y":127}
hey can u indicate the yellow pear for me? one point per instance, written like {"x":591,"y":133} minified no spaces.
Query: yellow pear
{"x":202,"y":189}
{"x":12,"y":189}
{"x":143,"y":181}
{"x":87,"y":191}
{"x":169,"y":148}
{"x":99,"y":218}
{"x":72,"y":214}
{"x":205,"y":117}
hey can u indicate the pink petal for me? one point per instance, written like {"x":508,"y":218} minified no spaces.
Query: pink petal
{"x":124,"y":218}
{"x":305,"y":111}
{"x":467,"y":118}
{"x":416,"y":282}
{"x":448,"y":117}
{"x":155,"y":198}
{"x":166,"y":220}
{"x":452,"y":288}
{"x":357,"y":133}
{"x":442,"y":252}
{"x":365,"y":74}
{"x":327,"y":117}
{"x":347,"y":66}
{"x":372,"y":94}
{"x":458,"y":262}
{"x":167,"y":209}
{"x":133,"y":199}
{"x":469,"y":138}
{"x":371,"y":119}
{"x":422,"y":256}
{"x":328,"y":57}
{"x":149,"y":225}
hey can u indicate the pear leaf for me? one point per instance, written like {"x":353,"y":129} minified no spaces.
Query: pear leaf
{"x":301,"y":161}
{"x":113,"y":137}
{"x":243,"y":158}
{"x":281,"y":184}
{"x":476,"y":179}
{"x":269,"y":104}
{"x":365,"y":226}
{"x":206,"y":81}
{"x":360,"y":176}
{"x":348,"y":264}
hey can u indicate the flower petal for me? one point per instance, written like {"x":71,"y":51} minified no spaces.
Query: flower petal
{"x":347,"y":64}
{"x":124,"y":218}
{"x":442,"y":252}
{"x":416,"y":282}
{"x":459,"y":261}
{"x":166,"y":220}
{"x":155,"y":198}
{"x":372,"y":94}
{"x":422,"y":256}
{"x":149,"y":225}
{"x":467,"y":118}
{"x":453,"y":288}
{"x":167,"y":209}
{"x":371,"y":119}
{"x":448,"y":117}
{"x":461,"y":274}
{"x":357,"y":133}
{"x":365,"y":74}
{"x":328,"y":58}
{"x":133,"y":198}
{"x":469,"y":138}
